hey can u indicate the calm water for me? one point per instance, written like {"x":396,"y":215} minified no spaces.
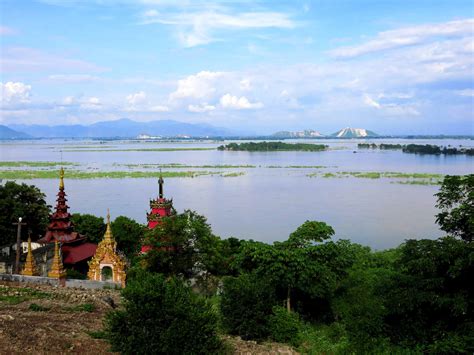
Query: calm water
{"x":266,"y":203}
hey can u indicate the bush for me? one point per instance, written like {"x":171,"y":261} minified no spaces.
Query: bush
{"x":162,"y":316}
{"x":74,"y":274}
{"x":246,"y":305}
{"x":285,"y":326}
{"x":37,"y":308}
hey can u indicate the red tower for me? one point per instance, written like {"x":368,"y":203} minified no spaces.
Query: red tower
{"x":74,"y":246}
{"x":161,"y":207}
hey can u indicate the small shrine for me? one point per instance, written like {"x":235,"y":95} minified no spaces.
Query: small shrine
{"x":29,"y":268}
{"x":75,"y":248}
{"x":107,"y":264}
{"x":160,"y":207}
{"x":57,"y":269}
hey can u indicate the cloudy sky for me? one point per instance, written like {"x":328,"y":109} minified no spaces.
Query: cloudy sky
{"x":392,"y":66}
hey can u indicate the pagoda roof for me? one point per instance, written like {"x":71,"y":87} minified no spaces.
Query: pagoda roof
{"x":72,"y":254}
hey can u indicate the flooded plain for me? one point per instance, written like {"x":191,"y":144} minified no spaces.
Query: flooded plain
{"x":370,"y":196}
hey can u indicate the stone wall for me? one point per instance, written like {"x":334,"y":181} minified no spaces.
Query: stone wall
{"x":73,"y":283}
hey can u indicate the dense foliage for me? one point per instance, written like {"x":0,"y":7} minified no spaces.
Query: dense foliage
{"x":418,"y":148}
{"x":162,"y":316}
{"x":246,"y":305}
{"x":27,"y":202}
{"x":128,"y":234}
{"x":456,"y":202}
{"x":273,"y":146}
{"x":91,"y":226}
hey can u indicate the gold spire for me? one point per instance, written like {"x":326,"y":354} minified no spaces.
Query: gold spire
{"x":29,"y":268}
{"x":108,"y":236}
{"x":57,"y":269}
{"x":61,"y":179}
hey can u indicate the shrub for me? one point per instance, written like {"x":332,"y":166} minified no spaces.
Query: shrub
{"x":246,"y":305}
{"x":74,"y":274}
{"x":285,"y":326}
{"x":37,"y":308}
{"x":162,"y":316}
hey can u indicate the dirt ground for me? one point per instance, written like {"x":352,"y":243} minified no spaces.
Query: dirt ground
{"x":38,"y":319}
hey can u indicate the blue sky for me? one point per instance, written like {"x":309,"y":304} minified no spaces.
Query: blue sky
{"x":394,"y":67}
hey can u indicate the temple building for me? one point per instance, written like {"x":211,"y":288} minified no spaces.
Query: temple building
{"x":107,"y":264}
{"x":160,"y":207}
{"x":75,"y":249}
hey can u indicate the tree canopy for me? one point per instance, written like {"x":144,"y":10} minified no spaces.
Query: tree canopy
{"x":26,"y":201}
{"x":456,"y":202}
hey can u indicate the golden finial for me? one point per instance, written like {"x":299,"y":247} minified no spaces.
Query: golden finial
{"x":57,"y":268}
{"x":108,"y":232}
{"x":61,"y":179}
{"x":30,"y":266}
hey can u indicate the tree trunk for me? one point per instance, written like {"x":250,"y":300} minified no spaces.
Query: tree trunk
{"x":288,"y":300}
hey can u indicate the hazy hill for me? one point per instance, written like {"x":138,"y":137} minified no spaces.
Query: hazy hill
{"x":8,"y":133}
{"x":354,"y":133}
{"x":307,"y":133}
{"x":123,"y":128}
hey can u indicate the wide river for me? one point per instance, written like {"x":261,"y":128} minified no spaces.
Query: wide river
{"x":264,"y":202}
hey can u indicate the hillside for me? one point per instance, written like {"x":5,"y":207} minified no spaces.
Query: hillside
{"x":123,"y":128}
{"x":354,"y":133}
{"x":8,"y":133}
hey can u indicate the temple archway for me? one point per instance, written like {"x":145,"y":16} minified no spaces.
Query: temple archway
{"x":106,"y":273}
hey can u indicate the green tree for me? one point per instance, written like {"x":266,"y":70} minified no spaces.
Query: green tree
{"x":430,"y":300}
{"x":128,"y":234}
{"x":299,"y":263}
{"x":179,"y":245}
{"x":89,"y":225}
{"x":162,"y":316}
{"x":26,"y":201}
{"x":456,"y":201}
{"x":246,"y":305}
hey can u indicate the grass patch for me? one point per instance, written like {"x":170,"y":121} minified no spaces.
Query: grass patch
{"x":418,"y":178}
{"x":235,"y":174}
{"x":13,"y":295}
{"x":184,"y":166}
{"x":323,"y":339}
{"x":418,"y":182}
{"x":76,"y":174}
{"x":35,"y":164}
{"x":85,"y":307}
{"x":37,"y":308}
{"x":99,"y":334}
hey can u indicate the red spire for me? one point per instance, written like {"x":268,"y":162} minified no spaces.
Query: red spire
{"x":61,"y":228}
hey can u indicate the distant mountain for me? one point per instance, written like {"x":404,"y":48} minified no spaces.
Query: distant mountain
{"x":124,"y":128}
{"x":354,"y":133}
{"x":307,"y":133}
{"x":8,"y":133}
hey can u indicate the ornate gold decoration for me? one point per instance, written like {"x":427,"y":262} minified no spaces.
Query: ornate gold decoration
{"x":61,"y":179}
{"x":29,"y":268}
{"x":106,"y":255}
{"x":57,"y":268}
{"x":161,"y":204}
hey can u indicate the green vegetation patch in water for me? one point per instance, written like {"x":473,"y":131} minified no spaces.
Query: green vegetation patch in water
{"x":184,"y":166}
{"x":75,"y":174}
{"x":35,"y":164}
{"x":273,"y":147}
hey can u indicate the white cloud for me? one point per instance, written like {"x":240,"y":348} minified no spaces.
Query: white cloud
{"x":73,"y":78}
{"x":136,"y":98}
{"x":371,"y":102}
{"x":199,"y":27}
{"x":245,"y":85}
{"x":466,"y":92}
{"x":201,"y":108}
{"x":15,"y":92}
{"x":238,"y":103}
{"x":200,"y":85}
{"x":91,"y":103}
{"x":407,"y":36}
{"x":159,"y":108}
